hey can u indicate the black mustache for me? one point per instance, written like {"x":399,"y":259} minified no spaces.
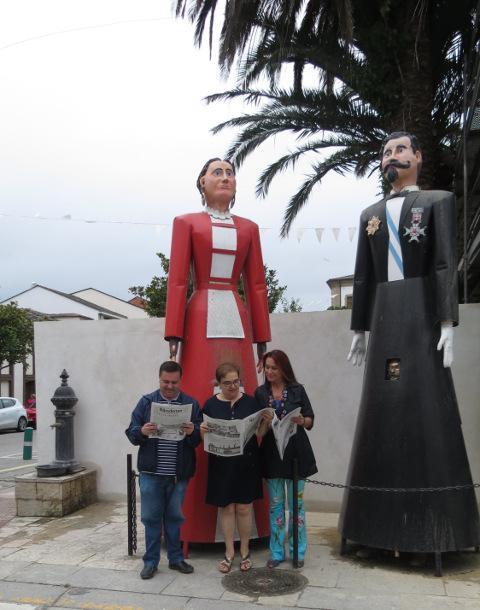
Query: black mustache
{"x":398,"y":164}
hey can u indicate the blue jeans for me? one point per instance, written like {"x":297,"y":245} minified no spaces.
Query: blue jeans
{"x":161,"y":504}
{"x":276,"y":490}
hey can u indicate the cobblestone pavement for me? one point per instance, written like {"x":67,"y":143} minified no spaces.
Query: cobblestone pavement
{"x":80,"y":561}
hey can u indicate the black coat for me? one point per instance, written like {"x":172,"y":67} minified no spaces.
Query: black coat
{"x":408,"y":432}
{"x":147,"y":452}
{"x":299,"y":447}
{"x":432,"y":256}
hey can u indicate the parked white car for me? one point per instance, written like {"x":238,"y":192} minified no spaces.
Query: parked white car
{"x":12,"y":414}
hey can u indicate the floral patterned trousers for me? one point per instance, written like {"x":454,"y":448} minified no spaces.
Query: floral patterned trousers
{"x":276,"y":490}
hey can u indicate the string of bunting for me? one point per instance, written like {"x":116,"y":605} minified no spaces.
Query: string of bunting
{"x":299,"y":232}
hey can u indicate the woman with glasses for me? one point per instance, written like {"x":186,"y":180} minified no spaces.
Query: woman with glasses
{"x":283,"y":394}
{"x":233,"y":482}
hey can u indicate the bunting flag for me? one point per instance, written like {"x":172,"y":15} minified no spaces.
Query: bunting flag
{"x":158,"y":227}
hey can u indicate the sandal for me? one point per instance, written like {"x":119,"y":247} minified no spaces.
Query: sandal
{"x":245,"y":563}
{"x":225,"y":565}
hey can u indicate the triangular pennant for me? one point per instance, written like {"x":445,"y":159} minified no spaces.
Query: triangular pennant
{"x":336,"y":232}
{"x":351,"y":232}
{"x":319,"y":231}
{"x":299,"y":234}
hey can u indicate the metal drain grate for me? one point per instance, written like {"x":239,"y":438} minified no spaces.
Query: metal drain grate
{"x":264,"y":581}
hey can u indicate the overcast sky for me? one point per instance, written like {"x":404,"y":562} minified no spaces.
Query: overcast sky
{"x":102,"y":119}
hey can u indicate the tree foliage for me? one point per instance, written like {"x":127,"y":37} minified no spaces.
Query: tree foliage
{"x":379,"y":65}
{"x":155,"y":294}
{"x":16,"y":334}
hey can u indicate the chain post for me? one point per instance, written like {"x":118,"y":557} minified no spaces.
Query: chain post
{"x":131,"y":506}
{"x":295,"y":512}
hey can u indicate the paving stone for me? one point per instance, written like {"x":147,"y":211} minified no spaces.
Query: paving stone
{"x":237,"y":597}
{"x":382,"y":581}
{"x":26,"y":593}
{"x":7,"y":606}
{"x":29,"y":553}
{"x":7,"y":551}
{"x":98,"y":599}
{"x":459,"y":588}
{"x":45,"y":574}
{"x":336,"y":599}
{"x":8,"y":568}
{"x":195,"y":585}
{"x":223,"y":604}
{"x":321,"y":576}
{"x":118,"y":580}
{"x":279,"y":600}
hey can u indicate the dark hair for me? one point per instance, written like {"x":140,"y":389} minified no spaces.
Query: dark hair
{"x":224,"y":369}
{"x":401,"y":134}
{"x":281,"y":360}
{"x":169,"y":366}
{"x":204,"y":169}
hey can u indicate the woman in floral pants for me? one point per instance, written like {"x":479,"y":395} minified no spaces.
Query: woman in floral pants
{"x":283,"y":394}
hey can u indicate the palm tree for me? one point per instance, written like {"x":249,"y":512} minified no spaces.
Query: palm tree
{"x":382,"y":65}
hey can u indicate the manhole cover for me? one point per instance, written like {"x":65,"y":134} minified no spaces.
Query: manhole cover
{"x":264,"y":581}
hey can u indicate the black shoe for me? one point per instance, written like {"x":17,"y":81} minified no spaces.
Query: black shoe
{"x":181,"y":566}
{"x":147,"y":572}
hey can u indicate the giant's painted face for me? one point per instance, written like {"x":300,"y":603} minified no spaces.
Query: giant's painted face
{"x":219,"y":182}
{"x":399,"y":162}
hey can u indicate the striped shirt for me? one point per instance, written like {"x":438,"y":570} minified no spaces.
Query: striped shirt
{"x":167,"y":450}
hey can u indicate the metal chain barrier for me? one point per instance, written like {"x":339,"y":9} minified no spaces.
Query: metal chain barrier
{"x":394,"y":489}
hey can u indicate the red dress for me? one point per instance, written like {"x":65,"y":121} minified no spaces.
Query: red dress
{"x":215,"y":326}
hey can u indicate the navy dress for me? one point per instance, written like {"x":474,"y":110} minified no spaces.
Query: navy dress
{"x":234,"y":479}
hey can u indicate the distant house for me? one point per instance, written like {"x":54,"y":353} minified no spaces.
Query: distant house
{"x":129,"y":309}
{"x":341,"y":289}
{"x":43,"y":303}
{"x":138,"y":302}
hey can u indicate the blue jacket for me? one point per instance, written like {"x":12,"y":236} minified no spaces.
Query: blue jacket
{"x":147,"y":452}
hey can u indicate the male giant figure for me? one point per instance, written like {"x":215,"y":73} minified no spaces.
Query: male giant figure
{"x":408,"y":431}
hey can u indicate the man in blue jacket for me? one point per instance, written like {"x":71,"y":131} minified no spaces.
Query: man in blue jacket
{"x":165,"y":468}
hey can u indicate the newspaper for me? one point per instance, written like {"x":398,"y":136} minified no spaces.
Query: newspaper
{"x":283,"y":429}
{"x":229,"y":436}
{"x":169,"y":419}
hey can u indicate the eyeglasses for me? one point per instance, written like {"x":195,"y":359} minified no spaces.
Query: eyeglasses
{"x":230,"y":384}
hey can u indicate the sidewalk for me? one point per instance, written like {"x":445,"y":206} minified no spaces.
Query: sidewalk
{"x":81,"y":561}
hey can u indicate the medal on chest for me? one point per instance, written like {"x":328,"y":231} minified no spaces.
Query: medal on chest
{"x":373,"y":225}
{"x":415,"y":231}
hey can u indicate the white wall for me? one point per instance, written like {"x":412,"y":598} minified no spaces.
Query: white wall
{"x":111,"y":365}
{"x":108,"y":302}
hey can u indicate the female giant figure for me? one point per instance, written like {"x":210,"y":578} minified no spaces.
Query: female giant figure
{"x":215,"y":325}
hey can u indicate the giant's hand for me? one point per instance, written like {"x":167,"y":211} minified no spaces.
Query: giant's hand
{"x":173,"y":344}
{"x":358,"y":349}
{"x":261,"y":349}
{"x":446,"y":342}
